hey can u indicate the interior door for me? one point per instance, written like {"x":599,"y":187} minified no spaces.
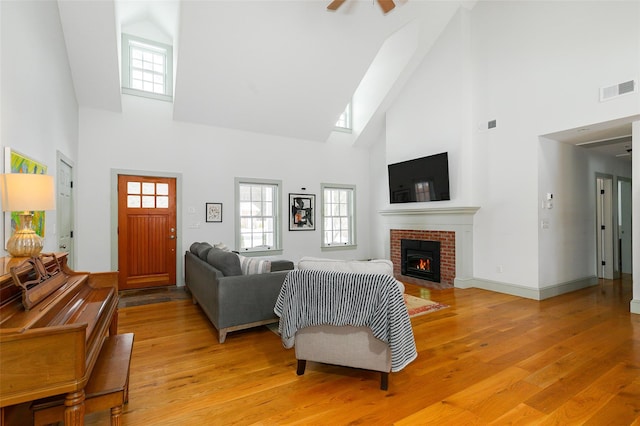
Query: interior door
{"x":604,"y":221}
{"x":64,"y":203}
{"x":146,"y":231}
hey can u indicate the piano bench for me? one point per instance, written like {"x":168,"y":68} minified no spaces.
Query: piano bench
{"x":107,"y":388}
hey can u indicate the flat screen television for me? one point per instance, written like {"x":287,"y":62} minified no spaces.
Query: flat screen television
{"x":420,"y":179}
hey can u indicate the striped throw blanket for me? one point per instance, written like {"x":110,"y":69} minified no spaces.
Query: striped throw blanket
{"x":315,"y":297}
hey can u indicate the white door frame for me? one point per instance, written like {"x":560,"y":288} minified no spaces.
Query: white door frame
{"x":114,"y":215}
{"x":68,"y":246}
{"x":625,"y":225}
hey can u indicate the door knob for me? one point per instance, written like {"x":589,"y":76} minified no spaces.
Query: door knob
{"x":63,"y":247}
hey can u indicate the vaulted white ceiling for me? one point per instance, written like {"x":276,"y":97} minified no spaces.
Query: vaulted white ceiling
{"x":284,"y":68}
{"x":276,"y":67}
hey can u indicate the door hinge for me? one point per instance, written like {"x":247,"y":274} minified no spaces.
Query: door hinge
{"x":604,"y":263}
{"x":602,"y":191}
{"x":71,"y":234}
{"x":603,"y":227}
{"x":71,"y":184}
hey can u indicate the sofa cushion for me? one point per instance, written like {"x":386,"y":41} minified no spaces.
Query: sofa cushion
{"x":194,"y":248}
{"x":224,"y":261}
{"x":374,"y":266}
{"x":203,"y":250}
{"x":252,"y":265}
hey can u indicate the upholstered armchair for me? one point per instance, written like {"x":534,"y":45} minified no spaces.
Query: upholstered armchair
{"x":350,"y":319}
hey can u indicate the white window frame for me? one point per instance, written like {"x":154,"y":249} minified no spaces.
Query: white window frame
{"x":161,"y":48}
{"x":276,"y":248}
{"x":347,"y":118}
{"x":351,"y":216}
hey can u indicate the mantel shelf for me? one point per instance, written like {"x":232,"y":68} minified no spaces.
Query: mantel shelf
{"x":431,"y":211}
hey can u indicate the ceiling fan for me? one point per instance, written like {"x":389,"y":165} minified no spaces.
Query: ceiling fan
{"x":627,"y":154}
{"x":386,"y":5}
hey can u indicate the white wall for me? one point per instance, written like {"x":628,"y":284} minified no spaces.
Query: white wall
{"x":39,"y":112}
{"x":539,"y":67}
{"x":567,"y":247}
{"x":536,"y":68}
{"x":432,"y":113}
{"x":145,"y":137}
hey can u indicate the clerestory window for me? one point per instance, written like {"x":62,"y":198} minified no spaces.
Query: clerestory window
{"x":344,"y":122}
{"x":147,"y":68}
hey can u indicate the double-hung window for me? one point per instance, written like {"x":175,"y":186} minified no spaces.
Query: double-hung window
{"x":147,"y":68}
{"x":338,"y":215}
{"x":258,"y":215}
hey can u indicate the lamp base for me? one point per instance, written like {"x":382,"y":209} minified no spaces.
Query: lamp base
{"x":25,"y":242}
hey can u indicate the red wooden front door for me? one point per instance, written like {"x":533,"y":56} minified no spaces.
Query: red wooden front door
{"x":146,"y":231}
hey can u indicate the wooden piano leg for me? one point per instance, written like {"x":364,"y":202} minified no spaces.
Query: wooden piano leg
{"x":116,"y":419}
{"x":74,"y":408}
{"x":113,"y":326}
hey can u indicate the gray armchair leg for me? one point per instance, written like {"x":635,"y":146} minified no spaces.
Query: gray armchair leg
{"x":384,"y":381}
{"x":302,"y":364}
{"x":222,"y":335}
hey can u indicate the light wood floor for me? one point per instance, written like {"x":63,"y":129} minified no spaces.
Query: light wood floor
{"x":488,"y":359}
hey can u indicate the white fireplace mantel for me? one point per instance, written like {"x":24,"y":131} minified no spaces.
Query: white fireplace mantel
{"x":431,"y":211}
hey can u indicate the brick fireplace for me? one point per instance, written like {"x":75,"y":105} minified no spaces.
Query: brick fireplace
{"x":452,"y":226}
{"x":447,"y":240}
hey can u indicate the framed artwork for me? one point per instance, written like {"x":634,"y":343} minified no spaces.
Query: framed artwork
{"x":303,"y":211}
{"x":214,"y":212}
{"x":15,"y":162}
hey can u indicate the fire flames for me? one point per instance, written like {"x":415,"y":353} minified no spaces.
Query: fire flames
{"x":424,"y":264}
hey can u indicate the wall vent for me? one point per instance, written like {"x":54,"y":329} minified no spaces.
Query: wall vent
{"x":611,"y":92}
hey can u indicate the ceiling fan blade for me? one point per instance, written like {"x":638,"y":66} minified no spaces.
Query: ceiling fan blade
{"x":335,"y":4}
{"x":386,"y":5}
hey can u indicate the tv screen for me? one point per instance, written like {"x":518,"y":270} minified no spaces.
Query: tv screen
{"x":421,"y":179}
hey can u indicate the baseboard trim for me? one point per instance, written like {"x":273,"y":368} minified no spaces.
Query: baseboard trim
{"x":635,"y":306}
{"x":528,"y":292}
{"x":567,"y":287}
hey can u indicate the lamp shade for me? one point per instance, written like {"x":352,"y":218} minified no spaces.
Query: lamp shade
{"x":27,"y":192}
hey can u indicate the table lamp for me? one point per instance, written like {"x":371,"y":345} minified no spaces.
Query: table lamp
{"x":26,"y":193}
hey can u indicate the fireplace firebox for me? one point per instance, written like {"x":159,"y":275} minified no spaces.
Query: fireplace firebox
{"x":420,"y":259}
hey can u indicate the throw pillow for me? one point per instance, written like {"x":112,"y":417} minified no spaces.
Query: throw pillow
{"x":251,"y":265}
{"x":222,"y":246}
{"x":225,"y":261}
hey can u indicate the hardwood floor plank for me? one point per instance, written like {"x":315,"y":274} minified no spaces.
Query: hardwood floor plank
{"x":489,"y":358}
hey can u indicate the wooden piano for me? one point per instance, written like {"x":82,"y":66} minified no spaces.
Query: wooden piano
{"x":53,"y":322}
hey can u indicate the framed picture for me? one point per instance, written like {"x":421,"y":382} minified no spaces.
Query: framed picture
{"x":15,"y":162}
{"x":303,"y":212}
{"x":214,"y":212}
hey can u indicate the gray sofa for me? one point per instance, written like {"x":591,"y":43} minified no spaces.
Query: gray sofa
{"x":232,"y":301}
